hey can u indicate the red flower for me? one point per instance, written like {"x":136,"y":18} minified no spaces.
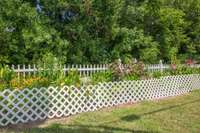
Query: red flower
{"x":189,"y":62}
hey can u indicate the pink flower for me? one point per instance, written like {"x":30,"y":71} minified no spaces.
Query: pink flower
{"x":173,"y":66}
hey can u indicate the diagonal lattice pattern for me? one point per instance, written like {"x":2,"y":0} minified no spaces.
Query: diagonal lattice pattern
{"x":22,"y":106}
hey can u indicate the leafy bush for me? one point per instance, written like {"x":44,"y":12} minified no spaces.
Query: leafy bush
{"x":6,"y":74}
{"x":131,"y":77}
{"x":51,"y":68}
{"x":182,"y":69}
{"x":102,"y":77}
{"x":72,"y":78}
{"x":157,"y":74}
{"x":177,"y":70}
{"x":134,"y":43}
{"x":3,"y":86}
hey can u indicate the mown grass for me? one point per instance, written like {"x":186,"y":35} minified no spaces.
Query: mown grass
{"x":172,"y":115}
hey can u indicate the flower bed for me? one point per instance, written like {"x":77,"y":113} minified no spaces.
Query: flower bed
{"x":22,"y":106}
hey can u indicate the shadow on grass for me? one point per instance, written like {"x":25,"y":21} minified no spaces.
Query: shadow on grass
{"x":170,"y":107}
{"x":57,"y":128}
{"x":134,"y":117}
{"x":130,"y":118}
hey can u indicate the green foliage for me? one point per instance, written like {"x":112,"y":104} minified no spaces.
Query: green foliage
{"x":26,"y":34}
{"x":173,"y":31}
{"x":6,"y":74}
{"x":135,"y":44}
{"x":157,"y":74}
{"x":131,"y":77}
{"x":102,"y":77}
{"x":173,"y":53}
{"x":99,"y":31}
{"x":72,"y":78}
{"x":48,"y":76}
{"x":50,"y":67}
{"x":180,"y":70}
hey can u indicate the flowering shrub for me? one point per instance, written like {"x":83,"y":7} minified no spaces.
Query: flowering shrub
{"x":129,"y":71}
{"x":28,"y":83}
{"x":117,"y":69}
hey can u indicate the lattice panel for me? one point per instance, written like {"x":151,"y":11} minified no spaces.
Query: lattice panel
{"x":22,"y":106}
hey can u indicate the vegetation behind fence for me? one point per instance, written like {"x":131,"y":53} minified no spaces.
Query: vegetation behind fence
{"x":88,"y":69}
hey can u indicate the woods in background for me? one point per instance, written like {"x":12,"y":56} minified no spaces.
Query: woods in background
{"x":99,"y":31}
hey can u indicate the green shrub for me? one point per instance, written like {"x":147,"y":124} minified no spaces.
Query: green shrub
{"x":157,"y":74}
{"x":6,"y":74}
{"x":182,"y":69}
{"x":198,"y":70}
{"x":3,"y":86}
{"x":72,"y":78}
{"x":51,"y":68}
{"x":131,"y":77}
{"x":102,"y":77}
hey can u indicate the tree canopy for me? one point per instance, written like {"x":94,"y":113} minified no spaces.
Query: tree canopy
{"x":99,"y":31}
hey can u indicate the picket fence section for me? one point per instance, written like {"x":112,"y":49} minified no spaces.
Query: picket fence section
{"x":86,"y":70}
{"x":22,"y":106}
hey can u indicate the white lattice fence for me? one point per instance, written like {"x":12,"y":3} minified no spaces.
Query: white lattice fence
{"x":22,"y":106}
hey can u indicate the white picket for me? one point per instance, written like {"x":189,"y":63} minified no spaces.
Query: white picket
{"x":88,"y":69}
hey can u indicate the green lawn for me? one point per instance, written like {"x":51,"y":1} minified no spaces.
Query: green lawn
{"x":172,"y":115}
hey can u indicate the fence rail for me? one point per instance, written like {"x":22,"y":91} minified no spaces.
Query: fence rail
{"x":87,"y":70}
{"x":22,"y":106}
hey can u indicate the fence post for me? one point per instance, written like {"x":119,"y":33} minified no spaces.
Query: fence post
{"x":24,"y":71}
{"x":34,"y":70}
{"x":18,"y":74}
{"x":29,"y":70}
{"x":80,"y":69}
{"x":13,"y":67}
{"x":64,"y":69}
{"x":161,"y":66}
